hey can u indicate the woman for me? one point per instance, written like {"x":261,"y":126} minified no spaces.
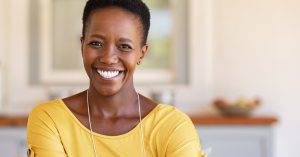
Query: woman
{"x":110,"y":119}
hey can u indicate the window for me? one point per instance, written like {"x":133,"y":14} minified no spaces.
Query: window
{"x":167,"y":57}
{"x":166,"y":61}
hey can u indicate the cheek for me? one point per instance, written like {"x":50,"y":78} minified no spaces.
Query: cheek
{"x":132,"y":60}
{"x":88,"y":54}
{"x":87,"y":58}
{"x":128,"y":62}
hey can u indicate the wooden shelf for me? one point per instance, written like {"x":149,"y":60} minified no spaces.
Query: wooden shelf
{"x":13,"y":121}
{"x":223,"y":120}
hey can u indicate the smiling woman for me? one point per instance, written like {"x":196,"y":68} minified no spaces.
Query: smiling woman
{"x":111,"y":113}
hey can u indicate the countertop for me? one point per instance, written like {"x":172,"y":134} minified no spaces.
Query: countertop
{"x":197,"y":120}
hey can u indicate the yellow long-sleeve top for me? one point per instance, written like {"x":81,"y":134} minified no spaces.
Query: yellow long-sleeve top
{"x":54,"y":131}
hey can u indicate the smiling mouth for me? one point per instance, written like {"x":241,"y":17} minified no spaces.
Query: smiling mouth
{"x":108,"y":74}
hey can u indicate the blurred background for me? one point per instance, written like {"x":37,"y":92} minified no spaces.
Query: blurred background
{"x":233,"y":51}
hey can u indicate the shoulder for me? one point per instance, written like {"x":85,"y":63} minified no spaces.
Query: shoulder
{"x":47,"y":112}
{"x":175,"y":131}
{"x":167,"y":119}
{"x":48,"y":117}
{"x":171,"y":114}
{"x":43,"y":134}
{"x":48,"y":107}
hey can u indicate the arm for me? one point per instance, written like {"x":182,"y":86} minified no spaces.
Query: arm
{"x":42,"y":136}
{"x":184,"y":141}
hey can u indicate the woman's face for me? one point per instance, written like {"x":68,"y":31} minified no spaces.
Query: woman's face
{"x":111,"y":49}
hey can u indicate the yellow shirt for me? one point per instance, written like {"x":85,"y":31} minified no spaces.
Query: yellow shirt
{"x":54,"y":131}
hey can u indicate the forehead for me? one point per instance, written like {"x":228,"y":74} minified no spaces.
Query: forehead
{"x":113,"y":18}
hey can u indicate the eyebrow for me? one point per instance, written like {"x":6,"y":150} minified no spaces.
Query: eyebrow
{"x":98,"y":36}
{"x":122,"y":39}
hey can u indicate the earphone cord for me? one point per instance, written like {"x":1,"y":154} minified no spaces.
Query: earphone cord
{"x":141,"y":127}
{"x":140,"y":119}
{"x":90,"y":122}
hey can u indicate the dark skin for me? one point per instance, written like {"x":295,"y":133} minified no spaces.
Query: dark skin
{"x":112,"y":42}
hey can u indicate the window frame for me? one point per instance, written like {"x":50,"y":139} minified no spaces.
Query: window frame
{"x":178,"y":74}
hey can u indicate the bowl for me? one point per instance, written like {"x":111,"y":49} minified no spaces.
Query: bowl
{"x":240,"y":107}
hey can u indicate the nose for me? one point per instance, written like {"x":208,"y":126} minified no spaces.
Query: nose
{"x":108,"y":55}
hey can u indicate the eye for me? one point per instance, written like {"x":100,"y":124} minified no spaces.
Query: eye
{"x":125,"y":47}
{"x":96,"y":44}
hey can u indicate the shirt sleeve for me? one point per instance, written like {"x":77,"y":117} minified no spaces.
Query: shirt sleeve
{"x":42,"y":136}
{"x":184,"y":141}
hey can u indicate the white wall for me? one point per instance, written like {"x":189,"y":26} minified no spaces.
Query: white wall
{"x":2,"y":48}
{"x":257,"y":53}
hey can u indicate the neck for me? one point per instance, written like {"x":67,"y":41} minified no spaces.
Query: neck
{"x":118,"y":105}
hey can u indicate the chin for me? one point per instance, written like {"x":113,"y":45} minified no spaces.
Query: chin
{"x":109,"y":91}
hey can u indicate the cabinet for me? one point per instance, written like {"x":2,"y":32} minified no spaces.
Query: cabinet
{"x":237,"y":141}
{"x":236,"y":136}
{"x":13,"y":142}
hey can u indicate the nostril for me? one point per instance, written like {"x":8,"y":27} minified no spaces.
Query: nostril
{"x":108,"y":55}
{"x":108,"y":59}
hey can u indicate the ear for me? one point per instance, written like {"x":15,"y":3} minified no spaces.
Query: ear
{"x":82,"y":42}
{"x":143,"y":53}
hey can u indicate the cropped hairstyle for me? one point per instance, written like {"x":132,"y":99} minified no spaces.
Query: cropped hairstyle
{"x":137,"y":7}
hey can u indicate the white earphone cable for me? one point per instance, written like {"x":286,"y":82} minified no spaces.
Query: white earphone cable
{"x":90,"y":122}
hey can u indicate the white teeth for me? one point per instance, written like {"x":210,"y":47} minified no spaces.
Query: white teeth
{"x":108,"y":74}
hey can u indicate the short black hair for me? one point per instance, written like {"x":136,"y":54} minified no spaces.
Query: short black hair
{"x":137,"y":7}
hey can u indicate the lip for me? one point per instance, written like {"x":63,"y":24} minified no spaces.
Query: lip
{"x":109,"y":69}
